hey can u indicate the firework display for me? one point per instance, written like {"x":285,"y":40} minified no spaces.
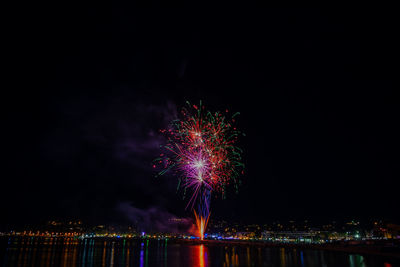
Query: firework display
{"x":201,"y":150}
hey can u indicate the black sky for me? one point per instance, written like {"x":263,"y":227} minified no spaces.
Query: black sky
{"x":89,"y":89}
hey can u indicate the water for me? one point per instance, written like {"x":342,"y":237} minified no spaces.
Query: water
{"x":145,"y":253}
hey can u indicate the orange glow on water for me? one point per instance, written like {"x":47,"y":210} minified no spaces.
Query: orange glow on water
{"x":201,"y":256}
{"x":201,"y":223}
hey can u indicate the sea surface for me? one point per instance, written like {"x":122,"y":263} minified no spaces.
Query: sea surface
{"x":144,"y":253}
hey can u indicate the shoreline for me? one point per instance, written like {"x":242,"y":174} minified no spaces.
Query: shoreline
{"x":362,"y":249}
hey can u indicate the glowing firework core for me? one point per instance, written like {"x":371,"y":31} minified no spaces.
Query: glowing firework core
{"x":199,"y":164}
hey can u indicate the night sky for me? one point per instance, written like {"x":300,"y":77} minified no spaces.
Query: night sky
{"x":90,"y":89}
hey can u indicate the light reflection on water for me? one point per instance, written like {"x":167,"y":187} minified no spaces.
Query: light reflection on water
{"x":144,"y":253}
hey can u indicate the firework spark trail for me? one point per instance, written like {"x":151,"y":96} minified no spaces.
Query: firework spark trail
{"x":201,"y":150}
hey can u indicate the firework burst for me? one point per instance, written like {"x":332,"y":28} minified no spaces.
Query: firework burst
{"x":201,"y":149}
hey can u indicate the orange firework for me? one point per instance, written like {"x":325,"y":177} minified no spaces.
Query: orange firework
{"x":201,"y":223}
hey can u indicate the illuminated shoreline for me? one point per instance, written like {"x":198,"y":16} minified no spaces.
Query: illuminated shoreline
{"x":381,"y":247}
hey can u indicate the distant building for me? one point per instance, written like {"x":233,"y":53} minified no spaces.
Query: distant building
{"x":290,"y":236}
